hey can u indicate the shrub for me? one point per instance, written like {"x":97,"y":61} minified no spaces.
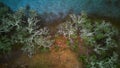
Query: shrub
{"x":103,"y":38}
{"x":99,"y":35}
{"x":4,"y":10}
{"x":23,"y":30}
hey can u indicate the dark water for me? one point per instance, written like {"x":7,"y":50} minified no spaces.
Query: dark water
{"x":108,"y":9}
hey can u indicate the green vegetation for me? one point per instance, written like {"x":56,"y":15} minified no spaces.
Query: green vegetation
{"x":4,"y":10}
{"x":102,"y":38}
{"x":17,"y":29}
{"x":99,"y":35}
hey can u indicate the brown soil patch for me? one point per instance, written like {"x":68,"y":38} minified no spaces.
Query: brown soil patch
{"x":62,"y":58}
{"x":59,"y":56}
